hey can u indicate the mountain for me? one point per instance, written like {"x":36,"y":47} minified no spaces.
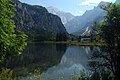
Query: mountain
{"x":79,"y":23}
{"x":65,"y":16}
{"x":87,"y":32}
{"x":53,"y":10}
{"x":117,"y":1}
{"x":37,"y":22}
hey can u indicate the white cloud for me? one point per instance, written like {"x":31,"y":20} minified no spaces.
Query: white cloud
{"x":92,"y":2}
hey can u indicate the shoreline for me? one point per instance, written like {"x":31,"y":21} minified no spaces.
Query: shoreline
{"x":82,"y":43}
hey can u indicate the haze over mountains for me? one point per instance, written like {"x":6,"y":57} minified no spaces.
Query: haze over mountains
{"x":42,"y":23}
{"x":65,"y":16}
{"x":78,"y":25}
{"x":91,"y":16}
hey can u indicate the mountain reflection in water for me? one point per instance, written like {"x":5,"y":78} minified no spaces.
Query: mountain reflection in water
{"x":72,"y":63}
{"x":56,"y":60}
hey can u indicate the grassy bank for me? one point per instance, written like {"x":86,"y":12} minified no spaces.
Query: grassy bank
{"x":82,"y":43}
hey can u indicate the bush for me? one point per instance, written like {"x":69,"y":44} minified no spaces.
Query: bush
{"x":7,"y":74}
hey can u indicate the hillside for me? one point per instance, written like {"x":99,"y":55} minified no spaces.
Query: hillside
{"x":79,"y":23}
{"x":37,"y":22}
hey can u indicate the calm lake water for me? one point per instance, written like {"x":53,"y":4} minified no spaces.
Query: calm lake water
{"x":55,"y":60}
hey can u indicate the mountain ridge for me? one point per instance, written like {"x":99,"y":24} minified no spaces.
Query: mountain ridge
{"x":78,"y":24}
{"x":37,"y":22}
{"x":65,"y":16}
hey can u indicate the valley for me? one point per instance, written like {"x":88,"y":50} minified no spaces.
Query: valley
{"x":43,"y":42}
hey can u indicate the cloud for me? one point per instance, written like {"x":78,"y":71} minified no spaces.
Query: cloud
{"x":92,"y":2}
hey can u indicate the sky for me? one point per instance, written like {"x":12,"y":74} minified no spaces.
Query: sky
{"x":76,"y":7}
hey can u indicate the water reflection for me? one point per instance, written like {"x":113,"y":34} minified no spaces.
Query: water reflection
{"x":73,"y":61}
{"x":36,"y":55}
{"x":57,"y":60}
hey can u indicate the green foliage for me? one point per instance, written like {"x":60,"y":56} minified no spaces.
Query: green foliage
{"x":38,"y":74}
{"x":35,"y":75}
{"x":110,"y":28}
{"x":111,"y":35}
{"x":7,"y":74}
{"x":109,"y":58}
{"x":11,"y":43}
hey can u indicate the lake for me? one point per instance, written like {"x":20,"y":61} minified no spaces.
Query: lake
{"x":54,"y":60}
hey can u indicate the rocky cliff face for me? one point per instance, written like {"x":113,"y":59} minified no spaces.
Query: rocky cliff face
{"x":37,"y":22}
{"x":87,"y":32}
{"x":79,"y":23}
{"x":65,"y":16}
